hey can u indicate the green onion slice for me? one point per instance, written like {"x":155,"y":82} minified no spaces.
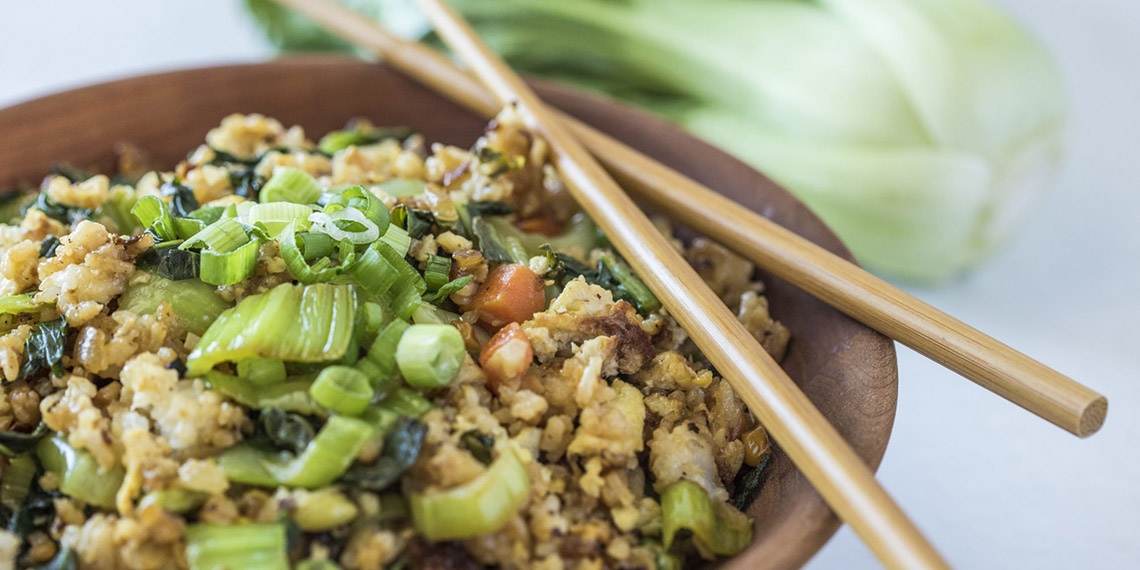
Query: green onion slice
{"x":437,"y":272}
{"x":325,"y":459}
{"x":253,"y":546}
{"x":222,"y":236}
{"x":342,"y":389}
{"x":429,"y":356}
{"x":154,"y":215}
{"x":229,"y":268}
{"x":398,"y":239}
{"x":330,"y":224}
{"x":275,"y":216}
{"x":290,"y":184}
{"x":479,"y":507}
{"x":373,"y":207}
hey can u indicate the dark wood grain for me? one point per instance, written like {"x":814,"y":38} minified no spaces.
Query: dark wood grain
{"x":846,"y":369}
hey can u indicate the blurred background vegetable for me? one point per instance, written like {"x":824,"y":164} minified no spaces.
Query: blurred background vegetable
{"x":922,"y":131}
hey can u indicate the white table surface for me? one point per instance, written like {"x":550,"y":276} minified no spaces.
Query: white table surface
{"x":992,"y":486}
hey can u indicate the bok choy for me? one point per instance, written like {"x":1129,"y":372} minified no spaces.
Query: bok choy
{"x":922,"y":131}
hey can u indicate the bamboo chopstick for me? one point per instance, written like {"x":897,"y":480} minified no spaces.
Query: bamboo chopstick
{"x":834,"y":280}
{"x":804,"y":434}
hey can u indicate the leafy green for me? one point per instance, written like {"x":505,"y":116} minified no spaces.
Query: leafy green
{"x":439,"y":295}
{"x":61,"y":213}
{"x":48,"y":246}
{"x":72,"y":173}
{"x":750,"y":485}
{"x":13,"y":443}
{"x":285,"y":430}
{"x":44,"y":348}
{"x":611,"y":274}
{"x":920,"y":131}
{"x":170,"y":262}
{"x":401,"y":447}
{"x":479,"y":445}
{"x":182,"y":200}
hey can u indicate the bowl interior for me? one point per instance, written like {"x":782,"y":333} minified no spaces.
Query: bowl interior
{"x":847,"y":370}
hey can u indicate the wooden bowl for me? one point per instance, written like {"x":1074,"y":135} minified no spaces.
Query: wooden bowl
{"x":848,"y":370}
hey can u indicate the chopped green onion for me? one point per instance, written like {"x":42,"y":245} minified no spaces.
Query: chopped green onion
{"x":290,"y":396}
{"x":326,"y":223}
{"x":324,"y":460}
{"x":342,"y":389}
{"x":188,"y":227}
{"x":405,"y":295}
{"x":406,"y":402}
{"x":685,"y":505}
{"x":478,"y":507}
{"x":374,"y":273}
{"x":643,"y":299}
{"x":177,"y":501}
{"x":436,"y":272}
{"x":261,"y":371}
{"x":153,"y":214}
{"x":317,"y":564}
{"x":80,"y":476}
{"x":373,"y":317}
{"x":16,"y":304}
{"x":246,"y":546}
{"x":222,"y":236}
{"x":208,"y":214}
{"x":195,"y":303}
{"x":297,"y":323}
{"x":429,"y":356}
{"x":295,"y":260}
{"x":373,"y":207}
{"x":232,"y":267}
{"x":398,"y":238}
{"x":316,"y":245}
{"x":290,"y":184}
{"x":450,"y":287}
{"x":275,"y":216}
{"x":403,"y":187}
{"x":383,"y":349}
{"x":429,"y":314}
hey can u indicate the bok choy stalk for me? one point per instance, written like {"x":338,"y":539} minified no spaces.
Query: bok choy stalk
{"x":921,"y":130}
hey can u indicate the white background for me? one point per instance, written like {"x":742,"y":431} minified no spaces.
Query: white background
{"x":990,"y":485}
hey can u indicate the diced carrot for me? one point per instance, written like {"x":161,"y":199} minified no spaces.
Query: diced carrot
{"x":506,"y":357}
{"x":511,"y":294}
{"x":545,"y":226}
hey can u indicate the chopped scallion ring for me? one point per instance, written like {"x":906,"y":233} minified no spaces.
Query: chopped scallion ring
{"x":429,"y":356}
{"x":342,"y":389}
{"x":333,"y":225}
{"x":290,"y":184}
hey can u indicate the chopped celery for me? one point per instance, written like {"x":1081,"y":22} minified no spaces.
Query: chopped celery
{"x":324,"y":459}
{"x":80,"y":476}
{"x":245,"y":546}
{"x":298,"y":323}
{"x":196,"y":304}
{"x":718,"y":528}
{"x":478,"y":507}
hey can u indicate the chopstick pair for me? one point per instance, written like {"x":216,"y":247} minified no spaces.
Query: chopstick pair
{"x":807,"y":437}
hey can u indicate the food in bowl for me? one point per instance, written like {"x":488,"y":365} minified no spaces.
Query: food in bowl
{"x":363,"y":352}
